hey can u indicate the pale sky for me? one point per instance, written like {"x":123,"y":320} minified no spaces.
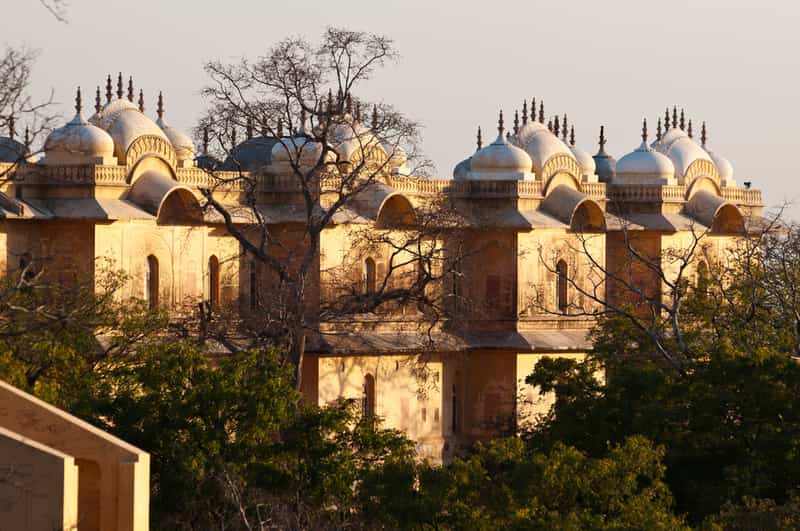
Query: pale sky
{"x":732,"y":63}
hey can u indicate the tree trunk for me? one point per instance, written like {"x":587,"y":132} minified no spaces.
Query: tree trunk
{"x":298,"y":356}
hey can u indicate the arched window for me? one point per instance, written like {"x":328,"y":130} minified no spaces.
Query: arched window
{"x":152,"y":281}
{"x":213,"y":281}
{"x":368,"y":398}
{"x":369,"y":276}
{"x":561,"y":286}
{"x":253,"y":285}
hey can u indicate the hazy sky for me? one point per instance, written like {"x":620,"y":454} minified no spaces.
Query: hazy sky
{"x":732,"y":63}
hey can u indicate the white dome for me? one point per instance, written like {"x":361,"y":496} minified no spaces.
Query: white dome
{"x":682,"y":151}
{"x":299,"y":149}
{"x":527,"y":131}
{"x":585,"y":161}
{"x":350,"y":140}
{"x":645,"y":166}
{"x":462,"y":169}
{"x":398,"y":158}
{"x":78,"y":142}
{"x":184,"y":147}
{"x":540,"y":144}
{"x":724,"y":168}
{"x":500,"y":161}
{"x":125,"y":123}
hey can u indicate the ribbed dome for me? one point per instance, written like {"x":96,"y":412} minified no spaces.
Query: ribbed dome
{"x":125,"y":123}
{"x":540,"y":144}
{"x":462,"y":169}
{"x":299,"y":149}
{"x":500,"y":160}
{"x":184,"y":147}
{"x":644,"y":166}
{"x":78,"y":142}
{"x":585,"y":161}
{"x":11,"y":150}
{"x":680,"y":149}
{"x":724,"y":168}
{"x":251,"y":155}
{"x":351,"y":140}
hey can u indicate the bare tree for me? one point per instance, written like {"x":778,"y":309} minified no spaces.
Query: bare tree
{"x":335,"y":154}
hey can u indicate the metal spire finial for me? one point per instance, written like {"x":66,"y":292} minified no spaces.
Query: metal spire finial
{"x":141,"y":101}
{"x":541,"y":112}
{"x":703,"y":137}
{"x":11,"y":131}
{"x":500,"y":127}
{"x":78,"y":101}
{"x":683,"y":121}
{"x":280,"y":127}
{"x":349,"y":105}
{"x":524,"y":112}
{"x":98,"y":104}
{"x":233,"y":136}
{"x":480,"y":139}
{"x":602,"y":138}
{"x":658,"y":131}
{"x":674,"y":116}
{"x":374,"y":117}
{"x":248,"y":130}
{"x":572,"y":135}
{"x":644,"y":131}
{"x":130,"y":89}
{"x":330,"y":101}
{"x":666,"y":119}
{"x":564,"y":128}
{"x":550,"y":125}
{"x":556,"y":126}
{"x":160,"y":106}
{"x":516,"y":123}
{"x":27,"y":138}
{"x":689,"y":129}
{"x":120,"y":92}
{"x":358,"y":111}
{"x":303,"y":118}
{"x":109,"y":89}
{"x":205,"y":140}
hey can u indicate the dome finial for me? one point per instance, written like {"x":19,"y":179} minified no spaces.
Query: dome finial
{"x":205,"y":140}
{"x":500,"y":127}
{"x":141,"y":101}
{"x":109,"y":89}
{"x":249,"y":128}
{"x":572,"y":135}
{"x":160,"y":105}
{"x":480,"y":139}
{"x":658,"y":131}
{"x":564,"y":129}
{"x":330,"y":101}
{"x":674,"y":116}
{"x":689,"y":129}
{"x":374,"y":117}
{"x":644,"y":131}
{"x":683,"y":121}
{"x":78,"y":101}
{"x":27,"y":139}
{"x":602,"y":138}
{"x":97,"y":101}
{"x":516,"y":123}
{"x":11,"y":131}
{"x":349,"y":105}
{"x":550,"y":125}
{"x":524,"y":112}
{"x":233,"y":136}
{"x":303,"y":118}
{"x":120,"y":92}
{"x":556,"y":126}
{"x":666,"y":119}
{"x":130,"y":89}
{"x":541,"y":111}
{"x":703,"y":137}
{"x":280,"y":128}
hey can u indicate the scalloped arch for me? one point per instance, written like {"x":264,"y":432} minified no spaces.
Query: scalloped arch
{"x":701,"y":168}
{"x":153,"y":146}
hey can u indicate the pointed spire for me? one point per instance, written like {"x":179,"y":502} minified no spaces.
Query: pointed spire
{"x":524,"y":112}
{"x":205,"y":140}
{"x":480,"y":139}
{"x":233,"y":136}
{"x":550,"y":125}
{"x":508,"y":136}
{"x":541,"y":112}
{"x":109,"y":89}
{"x":78,"y":101}
{"x":160,"y":106}
{"x":98,"y":104}
{"x":564,"y":129}
{"x":120,"y":92}
{"x":674,"y":116}
{"x":303,"y":118}
{"x":683,"y":121}
{"x":248,"y":130}
{"x":349,"y":105}
{"x":500,"y":123}
{"x":556,"y":126}
{"x":11,"y":131}
{"x":27,"y":139}
{"x":374,"y":117}
{"x":666,"y":119}
{"x":130,"y":89}
{"x":658,"y":131}
{"x":602,"y":141}
{"x":141,"y":101}
{"x":280,"y":127}
{"x":644,"y":131}
{"x":339,"y":97}
{"x":330,"y":101}
{"x":516,"y":123}
{"x":572,"y":135}
{"x":703,"y":136}
{"x":689,"y":129}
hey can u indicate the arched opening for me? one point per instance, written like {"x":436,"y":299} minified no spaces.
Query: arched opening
{"x":396,"y":211}
{"x":370,"y":278}
{"x":152,"y":282}
{"x":213,"y":281}
{"x":561,"y":286}
{"x":588,"y":217}
{"x":728,"y":220}
{"x":368,"y":397}
{"x":253,"y":285}
{"x":178,"y":207}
